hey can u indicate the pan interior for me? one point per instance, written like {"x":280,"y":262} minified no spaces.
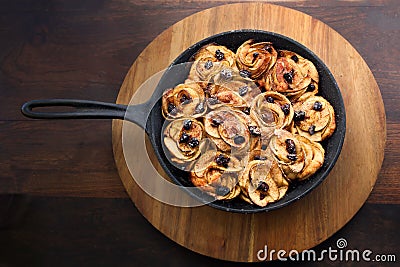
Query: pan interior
{"x":232,"y":40}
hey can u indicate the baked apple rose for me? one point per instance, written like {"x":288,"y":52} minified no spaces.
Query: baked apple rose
{"x":292,"y":75}
{"x":228,"y":129}
{"x":184,"y":100}
{"x":262,"y":182}
{"x":317,"y":121}
{"x":288,"y":152}
{"x":271,"y":109}
{"x":217,"y":173}
{"x":247,"y":124}
{"x":229,"y":88}
{"x":221,"y":95}
{"x":254,"y":59}
{"x":209,"y":61}
{"x":297,"y":156}
{"x":182,"y":139}
{"x":314,"y":157}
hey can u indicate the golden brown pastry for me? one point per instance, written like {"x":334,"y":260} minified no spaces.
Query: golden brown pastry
{"x":247,"y":124}
{"x":231,"y":79}
{"x":262,"y":182}
{"x":209,"y":61}
{"x":229,"y":127}
{"x":217,"y":174}
{"x":184,"y":100}
{"x":223,"y":96}
{"x":314,"y":118}
{"x":288,"y":152}
{"x":254,"y":59}
{"x":314,"y":157}
{"x":272,"y":109}
{"x":292,"y":75}
{"x":182,"y":139}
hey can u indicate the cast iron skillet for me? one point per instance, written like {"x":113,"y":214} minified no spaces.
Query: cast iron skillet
{"x":148,"y":115}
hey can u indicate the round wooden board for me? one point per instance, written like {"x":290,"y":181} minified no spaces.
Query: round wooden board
{"x":309,"y":221}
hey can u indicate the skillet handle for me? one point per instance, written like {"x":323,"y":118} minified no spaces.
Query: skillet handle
{"x":85,"y":109}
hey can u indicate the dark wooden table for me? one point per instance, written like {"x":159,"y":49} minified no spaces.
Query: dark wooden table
{"x":61,"y":200}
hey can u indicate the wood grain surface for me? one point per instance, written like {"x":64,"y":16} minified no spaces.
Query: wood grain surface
{"x":62,"y":202}
{"x":66,"y":49}
{"x":237,"y":237}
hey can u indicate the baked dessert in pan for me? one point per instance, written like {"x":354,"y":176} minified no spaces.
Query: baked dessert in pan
{"x":247,"y":123}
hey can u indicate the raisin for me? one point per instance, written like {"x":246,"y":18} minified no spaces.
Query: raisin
{"x":264,"y":147}
{"x":215,"y":122}
{"x":246,"y":111}
{"x":221,"y":160}
{"x":290,"y":146}
{"x":171,"y":109}
{"x":187,"y":124}
{"x":222,"y":190}
{"x":219,"y":55}
{"x":255,"y":54}
{"x":268,"y":48}
{"x":317,"y":106}
{"x":295,"y":58}
{"x":184,"y":138}
{"x":311,"y":87}
{"x":208,"y":65}
{"x":288,"y":76}
{"x":311,"y":130}
{"x":245,"y":73}
{"x":199,"y":108}
{"x":243,"y":90}
{"x":254,"y":131}
{"x":213,"y":100}
{"x":262,"y":186}
{"x":286,"y":109}
{"x":299,"y":115}
{"x":193,"y":142}
{"x":259,"y":158}
{"x":226,"y":74}
{"x":270,"y":99}
{"x":239,"y":140}
{"x":292,"y":157}
{"x":185,"y":100}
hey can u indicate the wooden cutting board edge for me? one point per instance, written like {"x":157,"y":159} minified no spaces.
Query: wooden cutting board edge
{"x":326,"y":219}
